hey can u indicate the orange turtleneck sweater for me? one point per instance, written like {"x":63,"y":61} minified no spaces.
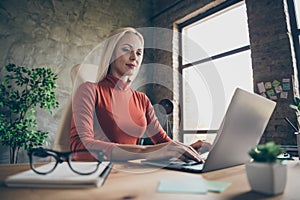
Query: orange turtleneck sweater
{"x":109,"y":113}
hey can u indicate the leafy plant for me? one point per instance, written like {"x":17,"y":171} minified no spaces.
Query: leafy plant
{"x":296,"y":104}
{"x":22,"y":89}
{"x":268,"y":152}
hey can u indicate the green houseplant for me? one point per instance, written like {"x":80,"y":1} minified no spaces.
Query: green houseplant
{"x":266,"y":173}
{"x":22,"y":89}
{"x":268,"y":152}
{"x":296,"y":106}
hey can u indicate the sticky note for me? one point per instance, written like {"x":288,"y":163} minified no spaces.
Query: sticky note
{"x":186,"y":186}
{"x":284,"y":80}
{"x":273,"y":97}
{"x":263,"y":94}
{"x":284,"y":95}
{"x":196,"y":186}
{"x":286,"y":86}
{"x":275,"y":83}
{"x":261,"y":87}
{"x":216,"y":186}
{"x":278,"y":89}
{"x":268,"y":85}
{"x":270,"y":92}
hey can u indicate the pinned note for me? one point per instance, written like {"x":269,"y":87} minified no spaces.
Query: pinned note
{"x":268,"y":85}
{"x":275,"y":83}
{"x":275,"y":89}
{"x":271,"y":93}
{"x":286,"y":84}
{"x":261,"y":87}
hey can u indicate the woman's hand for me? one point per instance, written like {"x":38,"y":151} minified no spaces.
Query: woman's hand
{"x":172,"y":149}
{"x":201,"y":146}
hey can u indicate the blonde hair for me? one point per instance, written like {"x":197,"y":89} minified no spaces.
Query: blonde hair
{"x":109,"y":47}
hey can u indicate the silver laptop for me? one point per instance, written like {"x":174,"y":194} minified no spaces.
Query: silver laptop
{"x":242,"y":127}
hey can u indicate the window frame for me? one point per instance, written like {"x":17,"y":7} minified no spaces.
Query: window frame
{"x":182,"y":66}
{"x":295,"y":31}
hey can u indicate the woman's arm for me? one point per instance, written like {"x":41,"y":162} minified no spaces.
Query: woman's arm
{"x":166,"y":150}
{"x":83,"y":109}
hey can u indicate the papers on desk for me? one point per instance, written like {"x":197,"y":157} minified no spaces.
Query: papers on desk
{"x":61,"y":177}
{"x":193,"y":185}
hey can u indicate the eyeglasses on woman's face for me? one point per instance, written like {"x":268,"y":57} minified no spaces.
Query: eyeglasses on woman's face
{"x":40,"y":154}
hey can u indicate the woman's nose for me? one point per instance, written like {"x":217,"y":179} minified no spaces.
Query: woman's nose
{"x":133,"y":55}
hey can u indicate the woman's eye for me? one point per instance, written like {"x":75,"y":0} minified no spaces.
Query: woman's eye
{"x":126,"y":50}
{"x":139,"y":53}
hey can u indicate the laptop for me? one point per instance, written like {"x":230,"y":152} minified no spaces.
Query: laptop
{"x":241,"y":129}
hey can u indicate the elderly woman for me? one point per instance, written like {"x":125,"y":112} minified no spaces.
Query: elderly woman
{"x":110,"y":116}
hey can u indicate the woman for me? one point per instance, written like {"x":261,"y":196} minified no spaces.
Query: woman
{"x":110,"y":116}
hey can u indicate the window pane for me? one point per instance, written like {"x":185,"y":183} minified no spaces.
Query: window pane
{"x":297,"y":11}
{"x":191,"y":138}
{"x":211,"y":36}
{"x":204,"y":82}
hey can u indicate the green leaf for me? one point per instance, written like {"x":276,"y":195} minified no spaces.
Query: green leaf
{"x":266,"y":152}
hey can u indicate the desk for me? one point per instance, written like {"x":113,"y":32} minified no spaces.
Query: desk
{"x":128,"y":181}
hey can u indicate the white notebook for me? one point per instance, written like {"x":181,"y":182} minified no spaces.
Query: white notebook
{"x":61,"y":177}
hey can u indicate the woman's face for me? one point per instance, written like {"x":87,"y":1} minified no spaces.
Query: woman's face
{"x":127,"y":57}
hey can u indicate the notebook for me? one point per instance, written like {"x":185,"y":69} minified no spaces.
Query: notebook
{"x":61,"y":177}
{"x":241,"y":129}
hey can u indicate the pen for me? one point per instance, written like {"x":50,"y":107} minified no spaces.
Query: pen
{"x":291,"y":124}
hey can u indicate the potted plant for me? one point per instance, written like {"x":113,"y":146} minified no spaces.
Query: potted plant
{"x":22,"y":89}
{"x":296,"y":106}
{"x":266,"y":173}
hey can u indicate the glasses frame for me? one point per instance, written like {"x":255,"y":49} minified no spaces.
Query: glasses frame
{"x":61,"y":157}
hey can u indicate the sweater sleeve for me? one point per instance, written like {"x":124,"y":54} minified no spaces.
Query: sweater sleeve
{"x":83,"y":113}
{"x":154,"y":129}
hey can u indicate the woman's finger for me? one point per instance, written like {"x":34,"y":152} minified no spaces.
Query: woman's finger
{"x":189,"y":152}
{"x":197,"y":144}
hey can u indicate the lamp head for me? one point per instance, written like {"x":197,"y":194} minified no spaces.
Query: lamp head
{"x":167,"y":105}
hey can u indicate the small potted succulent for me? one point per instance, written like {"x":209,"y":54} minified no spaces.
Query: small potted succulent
{"x":267,"y":173}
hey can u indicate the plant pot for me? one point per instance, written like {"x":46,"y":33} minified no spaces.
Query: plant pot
{"x":267,"y":178}
{"x":4,"y":154}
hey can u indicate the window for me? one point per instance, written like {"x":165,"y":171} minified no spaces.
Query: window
{"x":215,"y":51}
{"x":294,"y":12}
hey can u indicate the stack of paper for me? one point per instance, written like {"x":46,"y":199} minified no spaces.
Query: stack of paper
{"x":61,"y":177}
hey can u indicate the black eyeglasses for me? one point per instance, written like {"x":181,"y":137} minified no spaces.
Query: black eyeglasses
{"x":39,"y":154}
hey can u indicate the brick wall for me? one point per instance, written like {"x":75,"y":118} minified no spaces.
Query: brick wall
{"x":272,"y":60}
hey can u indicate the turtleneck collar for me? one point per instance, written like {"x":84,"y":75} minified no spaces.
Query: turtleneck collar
{"x":118,"y":83}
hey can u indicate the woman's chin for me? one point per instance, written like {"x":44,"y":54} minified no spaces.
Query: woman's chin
{"x":131,"y":73}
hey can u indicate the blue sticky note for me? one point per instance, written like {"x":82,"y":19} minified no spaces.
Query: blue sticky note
{"x":216,"y":186}
{"x":286,"y":86}
{"x":187,"y":186}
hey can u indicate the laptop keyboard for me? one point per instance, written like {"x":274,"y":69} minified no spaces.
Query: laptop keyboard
{"x":182,"y":163}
